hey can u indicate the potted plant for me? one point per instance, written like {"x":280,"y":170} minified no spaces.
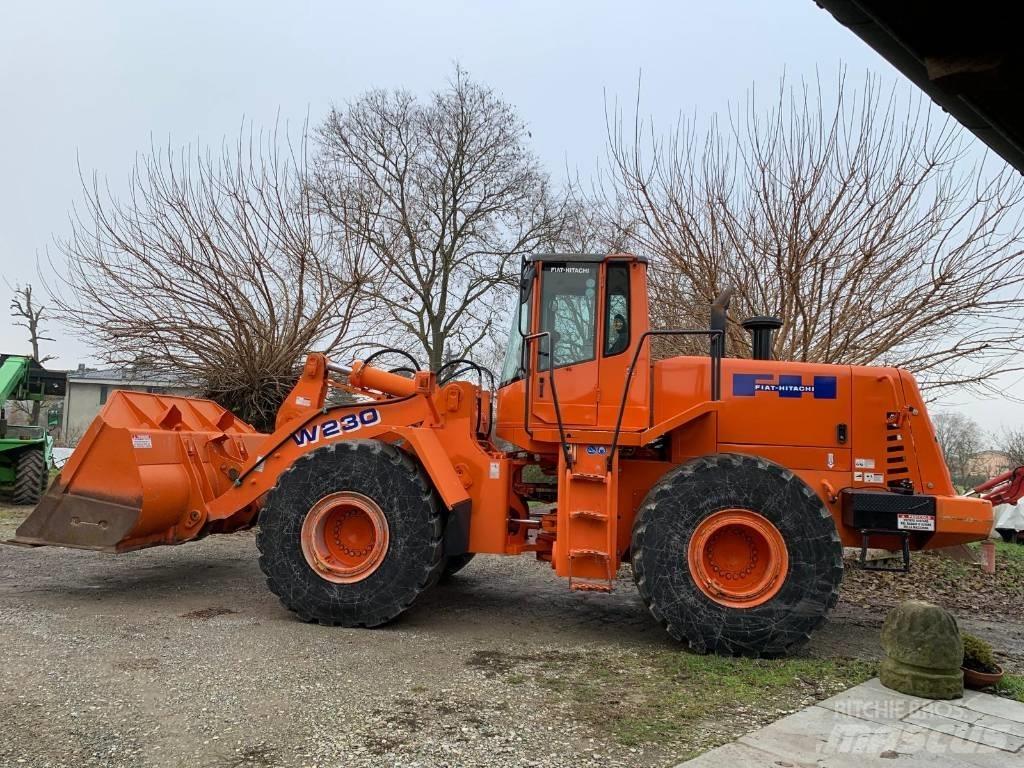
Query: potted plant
{"x":979,"y":665}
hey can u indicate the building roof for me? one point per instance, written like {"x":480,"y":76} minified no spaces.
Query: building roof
{"x":965,"y":56}
{"x":139,"y":377}
{"x":991,"y":452}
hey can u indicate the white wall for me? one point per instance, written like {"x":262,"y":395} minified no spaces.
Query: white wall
{"x":82,"y":403}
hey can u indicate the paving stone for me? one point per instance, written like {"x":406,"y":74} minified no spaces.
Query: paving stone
{"x":949,"y":724}
{"x":870,"y":726}
{"x":831,"y":740}
{"x":736,"y":754}
{"x":975,"y":718}
{"x":993,"y":705}
{"x":816,"y":733}
{"x":873,"y":701}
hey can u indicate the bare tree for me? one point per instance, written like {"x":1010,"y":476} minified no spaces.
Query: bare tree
{"x":960,"y":439}
{"x":862,"y":226}
{"x":215,"y":267}
{"x":1011,"y":442}
{"x":448,"y":198}
{"x":30,"y":315}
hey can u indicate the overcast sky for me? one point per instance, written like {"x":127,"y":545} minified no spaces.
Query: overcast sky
{"x":96,"y":82}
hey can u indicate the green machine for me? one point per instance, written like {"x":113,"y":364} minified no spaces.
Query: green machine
{"x":26,"y":452}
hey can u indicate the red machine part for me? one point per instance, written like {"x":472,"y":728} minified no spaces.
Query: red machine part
{"x":1007,"y":488}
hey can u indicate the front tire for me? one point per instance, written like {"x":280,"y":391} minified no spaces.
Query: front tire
{"x":736,"y":555}
{"x":30,"y":476}
{"x":351,"y":534}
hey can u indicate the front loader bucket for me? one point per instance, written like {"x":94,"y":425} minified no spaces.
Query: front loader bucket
{"x":143,"y":475}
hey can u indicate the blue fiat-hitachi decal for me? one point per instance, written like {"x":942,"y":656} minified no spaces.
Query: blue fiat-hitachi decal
{"x":749,"y":384}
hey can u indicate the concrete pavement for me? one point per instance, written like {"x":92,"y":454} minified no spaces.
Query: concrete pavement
{"x":870,"y":726}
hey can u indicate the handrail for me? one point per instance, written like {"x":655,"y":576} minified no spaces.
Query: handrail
{"x":527,"y":338}
{"x":717,"y":340}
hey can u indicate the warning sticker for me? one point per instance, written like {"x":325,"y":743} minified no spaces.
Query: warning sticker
{"x":907,"y":522}
{"x":864,"y":463}
{"x":142,"y":441}
{"x":858,"y":477}
{"x":495,"y":472}
{"x":306,"y":402}
{"x":874,"y":477}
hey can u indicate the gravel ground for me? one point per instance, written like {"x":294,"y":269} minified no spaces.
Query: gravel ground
{"x":179,"y":656}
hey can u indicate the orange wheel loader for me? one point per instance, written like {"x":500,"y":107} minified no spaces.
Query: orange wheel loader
{"x":730,"y":485}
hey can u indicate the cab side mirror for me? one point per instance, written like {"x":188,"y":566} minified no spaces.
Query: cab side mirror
{"x":526,"y":278}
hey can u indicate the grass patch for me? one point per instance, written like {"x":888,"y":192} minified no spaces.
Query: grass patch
{"x":672,"y":698}
{"x":661,"y":698}
{"x":1012,"y":687}
{"x":1011,"y":555}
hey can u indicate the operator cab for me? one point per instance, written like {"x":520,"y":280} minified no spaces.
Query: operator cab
{"x":574,"y":335}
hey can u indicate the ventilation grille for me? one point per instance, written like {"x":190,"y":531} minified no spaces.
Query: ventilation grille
{"x":897,"y":472}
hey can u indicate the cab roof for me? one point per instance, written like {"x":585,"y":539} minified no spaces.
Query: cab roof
{"x":589,"y":258}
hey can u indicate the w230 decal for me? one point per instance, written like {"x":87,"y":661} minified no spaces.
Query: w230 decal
{"x":331,"y":428}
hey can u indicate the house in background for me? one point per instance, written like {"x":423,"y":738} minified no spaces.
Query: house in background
{"x":988,"y":464}
{"x":88,"y":390}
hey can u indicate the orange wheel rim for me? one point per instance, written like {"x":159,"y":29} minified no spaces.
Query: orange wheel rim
{"x":345,"y":537}
{"x":738,"y":558}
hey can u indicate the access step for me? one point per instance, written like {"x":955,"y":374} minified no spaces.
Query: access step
{"x":590,"y":586}
{"x":867,"y":533}
{"x":575,"y":554}
{"x":589,"y":514}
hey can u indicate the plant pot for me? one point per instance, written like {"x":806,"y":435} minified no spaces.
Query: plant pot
{"x":978,"y":680}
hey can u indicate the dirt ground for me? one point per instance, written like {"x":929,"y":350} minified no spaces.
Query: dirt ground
{"x":180,"y":656}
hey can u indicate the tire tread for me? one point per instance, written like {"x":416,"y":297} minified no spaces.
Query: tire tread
{"x":669,"y":487}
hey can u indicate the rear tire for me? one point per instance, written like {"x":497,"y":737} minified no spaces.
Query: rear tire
{"x":407,"y":561}
{"x":791,"y":604}
{"x":30,"y":477}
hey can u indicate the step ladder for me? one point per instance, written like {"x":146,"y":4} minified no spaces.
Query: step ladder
{"x":587,"y":520}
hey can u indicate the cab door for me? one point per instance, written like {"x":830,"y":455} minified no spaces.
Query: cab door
{"x":567,"y":312}
{"x":623,"y":313}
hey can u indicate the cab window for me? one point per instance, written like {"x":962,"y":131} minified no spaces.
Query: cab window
{"x":568,"y":301}
{"x":513,"y":369}
{"x":616,"y":322}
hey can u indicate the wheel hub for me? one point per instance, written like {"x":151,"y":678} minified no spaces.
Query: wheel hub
{"x":345,"y":537}
{"x":738,"y":558}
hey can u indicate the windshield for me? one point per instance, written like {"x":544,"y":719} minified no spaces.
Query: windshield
{"x":568,"y":296}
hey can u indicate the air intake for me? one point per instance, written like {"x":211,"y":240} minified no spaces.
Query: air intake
{"x":761,"y":330}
